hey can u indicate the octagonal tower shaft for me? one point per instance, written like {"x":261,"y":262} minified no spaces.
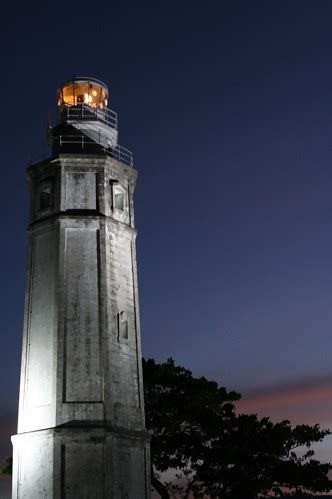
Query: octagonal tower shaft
{"x":81,"y":430}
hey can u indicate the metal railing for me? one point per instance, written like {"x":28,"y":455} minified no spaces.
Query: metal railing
{"x":83,"y":112}
{"x":82,"y":142}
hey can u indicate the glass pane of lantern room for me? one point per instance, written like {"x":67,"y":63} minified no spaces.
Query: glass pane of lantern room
{"x":68,"y":95}
{"x":94,"y":95}
{"x":103,"y":98}
{"x":82,"y":93}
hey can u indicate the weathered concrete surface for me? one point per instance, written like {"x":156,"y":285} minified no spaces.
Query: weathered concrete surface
{"x":80,"y":462}
{"x":81,"y":388}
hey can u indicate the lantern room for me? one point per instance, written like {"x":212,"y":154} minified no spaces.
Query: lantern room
{"x":85,"y":122}
{"x":86,"y":91}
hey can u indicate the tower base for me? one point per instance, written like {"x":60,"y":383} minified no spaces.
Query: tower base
{"x":81,"y":463}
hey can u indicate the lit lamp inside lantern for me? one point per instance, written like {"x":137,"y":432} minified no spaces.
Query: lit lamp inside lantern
{"x":86,"y":91}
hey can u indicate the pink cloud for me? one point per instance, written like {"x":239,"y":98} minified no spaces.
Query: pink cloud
{"x":307,"y":402}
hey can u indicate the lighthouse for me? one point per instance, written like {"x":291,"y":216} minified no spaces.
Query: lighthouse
{"x":81,"y":429}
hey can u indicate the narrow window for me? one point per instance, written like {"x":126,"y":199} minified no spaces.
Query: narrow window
{"x":45,"y":200}
{"x":123,"y":326}
{"x":118,"y":195}
{"x":119,"y":200}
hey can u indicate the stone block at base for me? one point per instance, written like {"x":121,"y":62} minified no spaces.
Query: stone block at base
{"x":81,"y":463}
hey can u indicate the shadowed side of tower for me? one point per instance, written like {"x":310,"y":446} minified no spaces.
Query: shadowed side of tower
{"x":81,"y":429}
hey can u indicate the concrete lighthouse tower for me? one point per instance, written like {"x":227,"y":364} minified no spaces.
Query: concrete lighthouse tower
{"x":81,"y":431}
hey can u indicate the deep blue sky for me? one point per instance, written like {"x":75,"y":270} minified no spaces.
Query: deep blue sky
{"x":227,"y":107}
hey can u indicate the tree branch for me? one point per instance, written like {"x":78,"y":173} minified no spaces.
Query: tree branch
{"x":160,"y":488}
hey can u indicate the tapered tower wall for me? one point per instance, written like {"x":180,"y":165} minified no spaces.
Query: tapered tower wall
{"x":81,"y":430}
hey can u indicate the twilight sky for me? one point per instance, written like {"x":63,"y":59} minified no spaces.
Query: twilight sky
{"x":227,"y":107}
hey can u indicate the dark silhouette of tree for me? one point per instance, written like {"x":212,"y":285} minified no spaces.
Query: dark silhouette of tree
{"x":196,"y":432}
{"x":7,"y":466}
{"x":257,"y":456}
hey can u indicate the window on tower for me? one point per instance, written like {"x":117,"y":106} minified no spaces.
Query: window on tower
{"x":122,"y":326}
{"x":45,"y":196}
{"x":118,"y":195}
{"x":119,"y":200}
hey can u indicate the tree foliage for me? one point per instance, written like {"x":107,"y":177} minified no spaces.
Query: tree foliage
{"x":7,"y":466}
{"x":196,"y":432}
